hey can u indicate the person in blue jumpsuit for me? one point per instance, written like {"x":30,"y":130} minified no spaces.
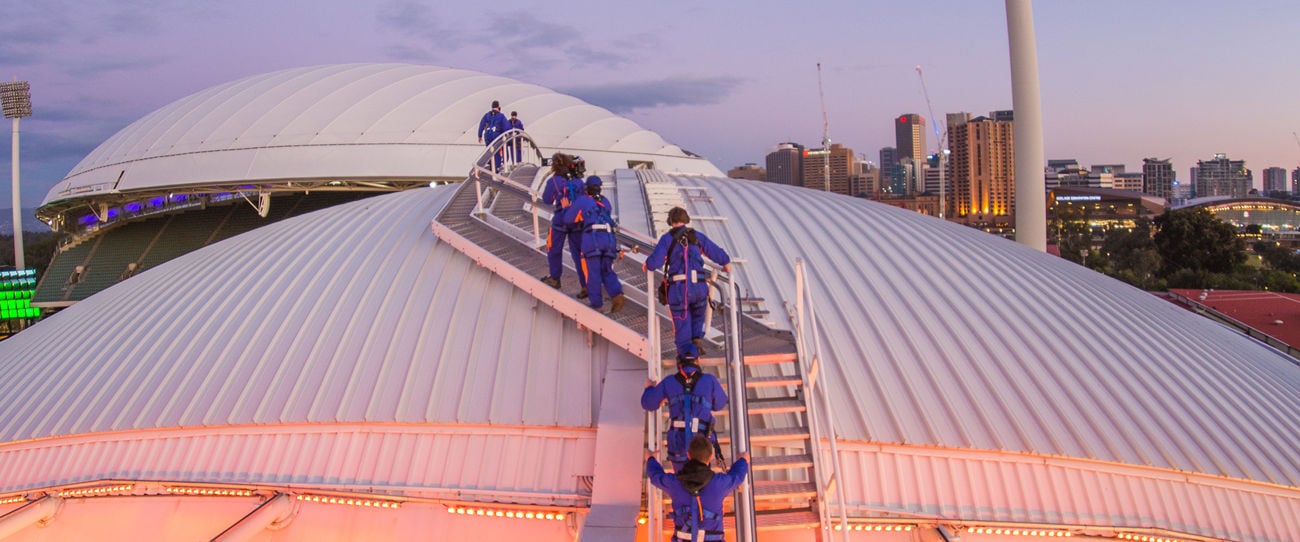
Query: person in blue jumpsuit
{"x":593,"y":213}
{"x":561,"y":191}
{"x":491,"y":126}
{"x":692,"y":396}
{"x":684,"y":249}
{"x":516,"y":147}
{"x":697,"y":492}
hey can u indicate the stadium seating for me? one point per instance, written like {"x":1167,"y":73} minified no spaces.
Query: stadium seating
{"x":154,"y":240}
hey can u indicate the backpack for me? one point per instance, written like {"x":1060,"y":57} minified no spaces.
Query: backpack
{"x":684,"y":237}
{"x":573,"y":189}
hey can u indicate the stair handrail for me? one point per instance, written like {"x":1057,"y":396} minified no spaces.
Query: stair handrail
{"x":483,"y":173}
{"x":746,"y":525}
{"x":504,"y":141}
{"x":817,"y":403}
{"x":654,"y":371}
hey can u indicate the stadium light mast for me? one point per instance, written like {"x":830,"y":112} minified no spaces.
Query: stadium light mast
{"x":16,"y":98}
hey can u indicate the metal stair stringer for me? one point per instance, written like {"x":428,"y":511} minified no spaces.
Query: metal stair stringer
{"x":626,"y":338}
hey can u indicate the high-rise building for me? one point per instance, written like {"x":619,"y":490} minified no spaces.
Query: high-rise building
{"x":1221,"y":177}
{"x":836,"y":178}
{"x":983,"y":171}
{"x":888,"y":156}
{"x":785,"y":164}
{"x":1274,"y":179}
{"x":909,"y":137}
{"x":866,"y":179}
{"x":957,"y":119}
{"x":750,"y":171}
{"x":1158,"y":178}
{"x":891,"y":174}
{"x":1004,"y":115}
{"x":1130,"y":181}
{"x":1295,"y":181}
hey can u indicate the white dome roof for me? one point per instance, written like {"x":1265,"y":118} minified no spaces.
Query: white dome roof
{"x":355,"y":122}
{"x":971,"y":378}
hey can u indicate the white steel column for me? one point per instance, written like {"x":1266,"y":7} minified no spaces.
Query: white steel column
{"x":1031,"y":198}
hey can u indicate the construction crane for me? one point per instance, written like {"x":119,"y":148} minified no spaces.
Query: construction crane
{"x":943,"y":140}
{"x":826,"y":134}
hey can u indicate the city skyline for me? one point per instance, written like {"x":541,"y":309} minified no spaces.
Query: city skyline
{"x":1120,"y":82}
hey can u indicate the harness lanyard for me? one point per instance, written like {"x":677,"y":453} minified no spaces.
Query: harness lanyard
{"x":686,"y":269}
{"x":688,"y":418}
{"x":699,"y":524}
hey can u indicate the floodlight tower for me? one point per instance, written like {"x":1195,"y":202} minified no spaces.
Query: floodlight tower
{"x":16,"y":98}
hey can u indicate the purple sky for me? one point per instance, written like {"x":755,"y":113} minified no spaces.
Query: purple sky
{"x":1121,"y":79}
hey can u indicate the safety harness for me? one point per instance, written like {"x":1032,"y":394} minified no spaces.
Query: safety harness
{"x":688,"y":401}
{"x":692,"y":515}
{"x":600,"y":219}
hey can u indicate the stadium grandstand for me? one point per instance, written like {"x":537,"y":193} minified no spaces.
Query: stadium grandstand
{"x":1278,"y":220}
{"x":393,"y":368}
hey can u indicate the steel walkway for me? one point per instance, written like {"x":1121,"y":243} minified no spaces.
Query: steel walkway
{"x":497,"y":221}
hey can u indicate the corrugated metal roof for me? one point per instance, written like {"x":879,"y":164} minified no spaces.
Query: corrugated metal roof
{"x":942,"y":335}
{"x":353,"y":121}
{"x":536,"y":466}
{"x":351,"y":314}
{"x":937,"y":337}
{"x":913,"y":481}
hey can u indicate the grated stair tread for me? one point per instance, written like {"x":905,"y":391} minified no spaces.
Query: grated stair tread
{"x":772,"y":434}
{"x":777,"y":462}
{"x":773,"y":381}
{"x":786,"y":519}
{"x":777,"y":405}
{"x":784,"y":490}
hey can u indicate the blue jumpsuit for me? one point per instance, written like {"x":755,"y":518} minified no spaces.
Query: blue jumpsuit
{"x":689,"y":414}
{"x":517,"y":146}
{"x":599,"y":247}
{"x":490,"y":127}
{"x":697,"y":511}
{"x":562,"y":227}
{"x":688,"y":294}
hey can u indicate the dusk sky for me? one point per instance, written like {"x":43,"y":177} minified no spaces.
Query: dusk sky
{"x":1121,"y":80}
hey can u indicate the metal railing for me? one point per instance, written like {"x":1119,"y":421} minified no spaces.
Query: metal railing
{"x":821,"y":419}
{"x":487,"y":179}
{"x":746,"y":524}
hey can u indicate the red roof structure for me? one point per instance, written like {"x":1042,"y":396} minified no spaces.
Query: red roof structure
{"x":1260,"y":314}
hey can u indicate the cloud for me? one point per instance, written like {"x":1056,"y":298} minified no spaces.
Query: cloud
{"x":626,"y":97}
{"x":92,"y":68}
{"x":31,"y":30}
{"x":418,"y":33}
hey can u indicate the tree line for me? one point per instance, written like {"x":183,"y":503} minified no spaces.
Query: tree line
{"x":1185,"y":248}
{"x":38,"y":250}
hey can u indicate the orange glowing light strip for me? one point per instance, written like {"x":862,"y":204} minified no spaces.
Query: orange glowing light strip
{"x":507,"y":513}
{"x":210,"y":491}
{"x":1016,"y":531}
{"x":14,"y":499}
{"x":1148,"y":538}
{"x":96,"y":491}
{"x":350,"y":501}
{"x":894,"y":527}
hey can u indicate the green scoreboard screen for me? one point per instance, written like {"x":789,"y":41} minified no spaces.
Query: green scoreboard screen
{"x":16,"y":289}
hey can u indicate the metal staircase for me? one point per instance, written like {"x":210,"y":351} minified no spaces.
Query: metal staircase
{"x":771,"y":376}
